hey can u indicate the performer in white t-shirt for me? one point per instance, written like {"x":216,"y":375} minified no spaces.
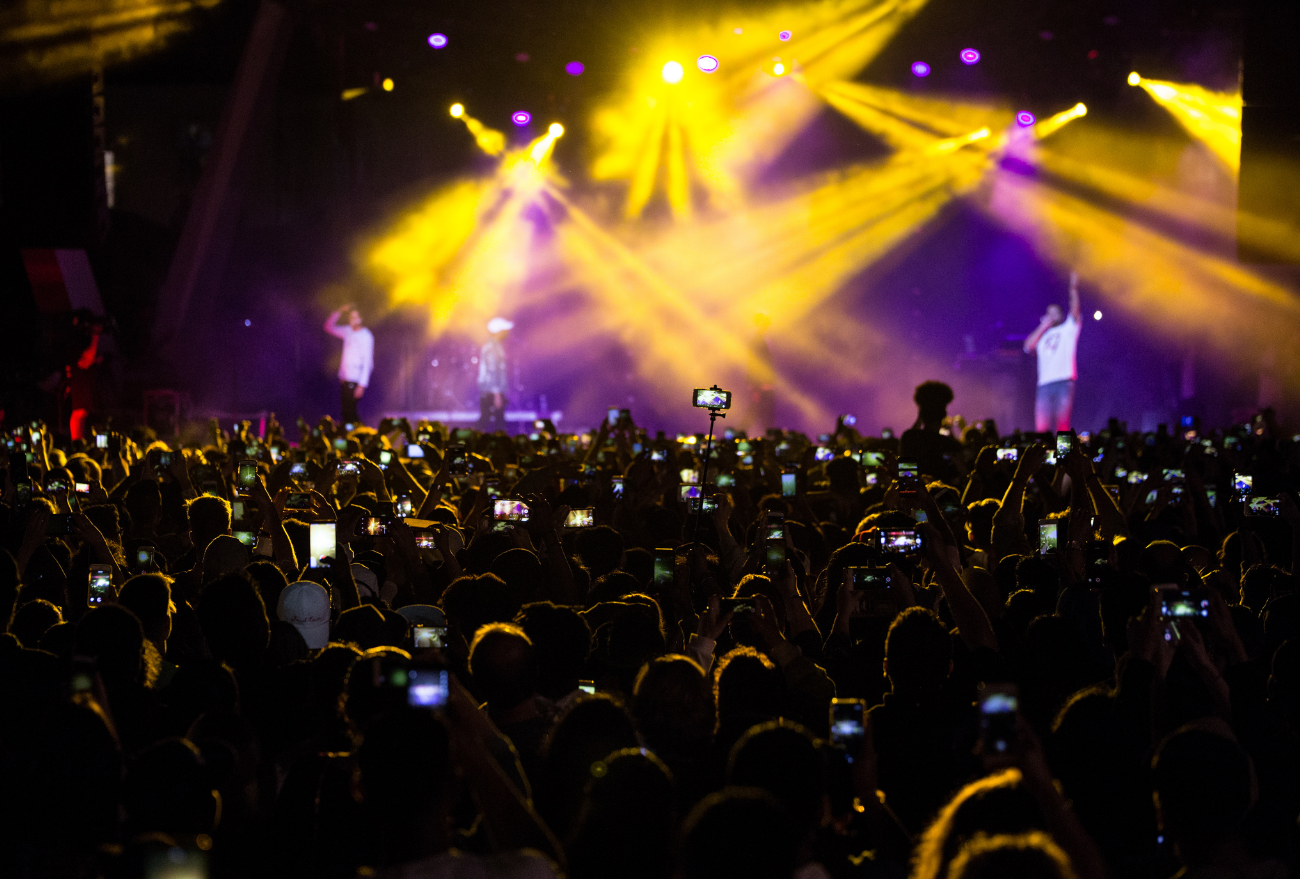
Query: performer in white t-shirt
{"x":357,"y":361}
{"x":1055,"y":341}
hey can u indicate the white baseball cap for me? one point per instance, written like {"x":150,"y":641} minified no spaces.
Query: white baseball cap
{"x":499,"y":325}
{"x":306,"y":606}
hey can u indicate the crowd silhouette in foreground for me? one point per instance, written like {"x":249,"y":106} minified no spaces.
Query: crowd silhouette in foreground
{"x":417,"y":651}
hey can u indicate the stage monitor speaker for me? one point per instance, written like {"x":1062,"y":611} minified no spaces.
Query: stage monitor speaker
{"x":1268,"y":211}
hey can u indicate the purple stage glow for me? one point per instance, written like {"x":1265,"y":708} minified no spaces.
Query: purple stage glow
{"x":438,"y":41}
{"x":920,"y":68}
{"x":574,"y":68}
{"x":707,"y":64}
{"x":1025,"y":119}
{"x":521,"y":117}
{"x":784,"y":36}
{"x":970,"y":56}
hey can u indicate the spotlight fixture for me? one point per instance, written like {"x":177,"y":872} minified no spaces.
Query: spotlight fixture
{"x":707,"y":64}
{"x":920,"y":68}
{"x":778,"y":68}
{"x":555,"y":129}
{"x":784,"y":36}
{"x":1134,"y":79}
{"x":574,"y":68}
{"x":672,"y":72}
{"x":521,"y":117}
{"x":1025,"y":119}
{"x":387,"y":84}
{"x":457,"y":110}
{"x":970,"y":56}
{"x":438,"y":41}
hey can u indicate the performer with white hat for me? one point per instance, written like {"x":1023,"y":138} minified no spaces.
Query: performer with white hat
{"x":492,"y":377}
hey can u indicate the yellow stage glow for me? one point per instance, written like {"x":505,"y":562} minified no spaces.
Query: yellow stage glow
{"x":1214,"y":118}
{"x":778,"y":68}
{"x":672,"y":72}
{"x":489,"y":140}
{"x":349,"y":94}
{"x":556,"y":129}
{"x":388,"y":84}
{"x":457,"y":110}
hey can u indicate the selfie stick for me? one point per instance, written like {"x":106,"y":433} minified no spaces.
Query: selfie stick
{"x":714,"y":415}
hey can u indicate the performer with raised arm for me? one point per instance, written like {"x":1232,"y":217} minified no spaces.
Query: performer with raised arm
{"x":358,"y":358}
{"x":492,"y":380}
{"x":1055,"y":341}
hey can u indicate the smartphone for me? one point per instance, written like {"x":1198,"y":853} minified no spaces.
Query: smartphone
{"x":580,"y":518}
{"x":1178,"y":603}
{"x":507,"y":510}
{"x":144,"y":558}
{"x":900,"y":541}
{"x":706,"y":504}
{"x":81,"y":487}
{"x":775,"y":557}
{"x":1048,"y":535}
{"x":1064,"y":444}
{"x":349,"y":468}
{"x":874,"y":587}
{"x":1011,"y":454}
{"x":457,"y":461}
{"x":725,"y":480}
{"x":999,"y":709}
{"x":321,"y":537}
{"x":1212,"y":495}
{"x":789,"y":484}
{"x":909,"y":477}
{"x":1243,"y":484}
{"x":873,"y":459}
{"x":248,"y":538}
{"x":687,"y":493}
{"x":616,"y":486}
{"x":664,"y":559}
{"x":1136,"y":477}
{"x":429,"y":636}
{"x":403,"y":507}
{"x":737,"y":605}
{"x":711,"y":398}
{"x":774,"y":526}
{"x":247,"y":477}
{"x":690,"y":474}
{"x":848,"y":724}
{"x":587,"y":686}
{"x":611,"y":416}
{"x":425,"y":540}
{"x":374,"y":526}
{"x":101,"y":585}
{"x":341,"y":444}
{"x":427,"y":687}
{"x":414,"y":451}
{"x":659,"y":455}
{"x":82,"y":679}
{"x":298,"y":470}
{"x":385,"y":458}
{"x":1269,"y":507}
{"x":822,"y":453}
{"x":297,"y":501}
{"x":101,"y":440}
{"x":55,"y":484}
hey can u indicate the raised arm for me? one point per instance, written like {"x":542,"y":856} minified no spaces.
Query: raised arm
{"x":1076,"y":310}
{"x":1031,"y":343}
{"x":331,"y":322}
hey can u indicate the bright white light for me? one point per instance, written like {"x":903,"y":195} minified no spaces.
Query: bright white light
{"x":1134,"y":78}
{"x":673,"y":72}
{"x":1096,"y":315}
{"x":555,"y":130}
{"x":778,"y":68}
{"x":457,"y":110}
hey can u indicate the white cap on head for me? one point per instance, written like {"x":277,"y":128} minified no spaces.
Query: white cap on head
{"x":499,"y":325}
{"x":306,"y":606}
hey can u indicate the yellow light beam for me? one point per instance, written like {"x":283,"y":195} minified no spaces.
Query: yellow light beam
{"x":489,"y":140}
{"x":1214,"y":118}
{"x":1052,"y":124}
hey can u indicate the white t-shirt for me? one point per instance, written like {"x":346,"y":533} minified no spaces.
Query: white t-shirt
{"x":358,"y":354}
{"x":1056,"y":352}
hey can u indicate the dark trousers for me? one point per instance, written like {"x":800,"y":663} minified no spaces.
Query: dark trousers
{"x":348,"y":402}
{"x":491,"y":419}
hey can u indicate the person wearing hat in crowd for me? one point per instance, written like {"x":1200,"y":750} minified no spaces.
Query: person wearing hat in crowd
{"x":492,"y":377}
{"x":306,"y":606}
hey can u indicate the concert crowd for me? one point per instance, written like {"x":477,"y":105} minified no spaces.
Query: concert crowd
{"x":413,"y":650}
